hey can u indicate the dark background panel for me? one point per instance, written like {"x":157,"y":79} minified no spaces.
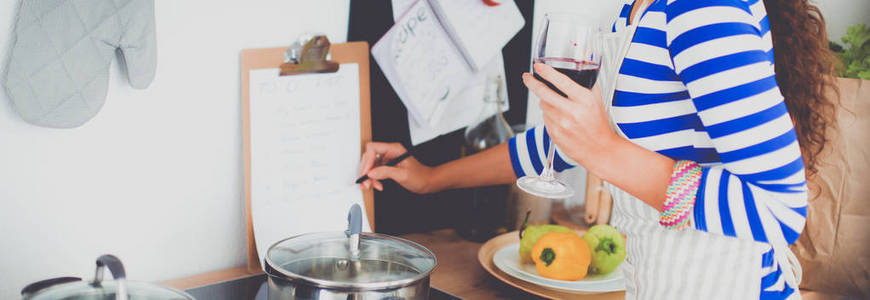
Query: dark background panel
{"x":397,"y":210}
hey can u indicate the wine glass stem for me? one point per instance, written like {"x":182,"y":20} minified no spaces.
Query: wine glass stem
{"x":547,"y":173}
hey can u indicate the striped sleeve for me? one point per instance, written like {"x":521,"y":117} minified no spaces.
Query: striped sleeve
{"x":528,"y":151}
{"x":759,"y":191}
{"x":622,"y":19}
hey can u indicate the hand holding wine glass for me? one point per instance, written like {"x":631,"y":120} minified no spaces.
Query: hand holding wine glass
{"x":577,"y":124}
{"x":568,"y":44}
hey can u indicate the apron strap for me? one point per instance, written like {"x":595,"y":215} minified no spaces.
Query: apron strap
{"x":640,"y":11}
{"x":789,"y":264}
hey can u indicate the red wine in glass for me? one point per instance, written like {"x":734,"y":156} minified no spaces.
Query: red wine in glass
{"x":570,"y":44}
{"x":583,"y":73}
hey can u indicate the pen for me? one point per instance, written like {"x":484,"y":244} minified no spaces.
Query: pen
{"x":390,"y":163}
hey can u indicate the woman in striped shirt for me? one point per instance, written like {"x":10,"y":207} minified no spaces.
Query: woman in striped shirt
{"x":698,"y":101}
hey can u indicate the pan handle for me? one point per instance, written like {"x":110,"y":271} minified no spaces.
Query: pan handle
{"x":32,"y":288}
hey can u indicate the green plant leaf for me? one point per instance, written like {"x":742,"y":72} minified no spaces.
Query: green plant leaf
{"x":856,"y":52}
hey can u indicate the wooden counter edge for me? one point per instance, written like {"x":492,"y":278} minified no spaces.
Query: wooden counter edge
{"x":209,"y":278}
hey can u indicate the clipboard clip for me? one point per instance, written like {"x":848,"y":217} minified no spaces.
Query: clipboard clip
{"x":310,"y":57}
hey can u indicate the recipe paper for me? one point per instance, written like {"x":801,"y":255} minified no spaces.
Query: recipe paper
{"x":469,"y":103}
{"x":480,"y":30}
{"x":421,"y":63}
{"x":305,"y":150}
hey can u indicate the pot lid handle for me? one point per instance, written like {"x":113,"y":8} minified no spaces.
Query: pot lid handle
{"x":354,"y":228}
{"x":113,"y":263}
{"x":117,"y":268}
{"x":32,"y":288}
{"x":354,"y":220}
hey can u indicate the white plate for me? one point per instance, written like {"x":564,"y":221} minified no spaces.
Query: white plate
{"x":507,"y":259}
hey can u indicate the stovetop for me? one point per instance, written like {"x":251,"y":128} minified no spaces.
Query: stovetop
{"x":246,"y":288}
{"x":254,"y":288}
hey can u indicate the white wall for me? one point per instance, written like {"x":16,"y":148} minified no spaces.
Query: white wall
{"x":842,"y":14}
{"x":156,"y":176}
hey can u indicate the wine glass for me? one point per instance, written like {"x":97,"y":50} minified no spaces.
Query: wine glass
{"x":570,"y":44}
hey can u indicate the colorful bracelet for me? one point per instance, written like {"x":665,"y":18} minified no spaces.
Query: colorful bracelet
{"x":680,"y":197}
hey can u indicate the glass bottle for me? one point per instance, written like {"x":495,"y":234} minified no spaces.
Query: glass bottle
{"x":485,"y":214}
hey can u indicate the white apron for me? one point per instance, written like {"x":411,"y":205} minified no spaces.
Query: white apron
{"x":670,"y":264}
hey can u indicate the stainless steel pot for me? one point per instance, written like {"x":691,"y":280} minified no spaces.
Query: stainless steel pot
{"x":348,"y":265}
{"x":72,"y":288}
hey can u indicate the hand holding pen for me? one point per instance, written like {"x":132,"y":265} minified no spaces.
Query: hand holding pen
{"x":392,"y":161}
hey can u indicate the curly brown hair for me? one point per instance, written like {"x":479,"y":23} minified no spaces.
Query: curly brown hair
{"x":804,"y":66}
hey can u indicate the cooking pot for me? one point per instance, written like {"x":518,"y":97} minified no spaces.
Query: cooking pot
{"x":72,"y":288}
{"x":348,"y":265}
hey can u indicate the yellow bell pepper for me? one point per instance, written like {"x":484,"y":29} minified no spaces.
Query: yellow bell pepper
{"x":561,"y":256}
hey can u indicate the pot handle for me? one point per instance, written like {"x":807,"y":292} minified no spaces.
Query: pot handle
{"x":32,"y":288}
{"x":113,"y":263}
{"x":354,"y":220}
{"x":354,"y":228}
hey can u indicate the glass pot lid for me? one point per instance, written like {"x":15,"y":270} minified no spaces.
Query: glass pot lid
{"x":107,"y":290}
{"x":328,"y":259}
{"x":70,"y":288}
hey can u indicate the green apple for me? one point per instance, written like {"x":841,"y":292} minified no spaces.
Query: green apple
{"x":608,"y":248}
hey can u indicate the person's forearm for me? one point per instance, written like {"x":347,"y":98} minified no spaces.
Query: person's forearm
{"x":489,"y":167}
{"x":640,"y":172}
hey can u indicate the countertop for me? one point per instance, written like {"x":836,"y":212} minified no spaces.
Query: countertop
{"x":458,"y":272}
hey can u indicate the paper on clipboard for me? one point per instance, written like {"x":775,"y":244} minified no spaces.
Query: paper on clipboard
{"x":305,"y":145}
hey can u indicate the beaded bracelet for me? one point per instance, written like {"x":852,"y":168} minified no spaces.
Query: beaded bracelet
{"x":680,"y":197}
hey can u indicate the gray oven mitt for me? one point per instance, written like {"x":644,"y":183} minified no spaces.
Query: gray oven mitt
{"x":58,"y":68}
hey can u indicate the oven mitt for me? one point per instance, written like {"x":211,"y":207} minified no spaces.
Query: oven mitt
{"x":58,"y":70}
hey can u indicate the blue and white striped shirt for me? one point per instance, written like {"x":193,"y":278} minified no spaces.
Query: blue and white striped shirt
{"x":698,"y":84}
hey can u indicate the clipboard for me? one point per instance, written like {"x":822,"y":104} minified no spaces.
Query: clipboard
{"x":252,"y":59}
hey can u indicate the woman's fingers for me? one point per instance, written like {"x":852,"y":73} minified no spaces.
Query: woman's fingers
{"x":596,"y":90}
{"x":560,"y":110}
{"x":366,"y":184}
{"x":544,"y":92}
{"x":561,"y":82}
{"x":369,"y":183}
{"x":548,"y":108}
{"x":552,"y":127}
{"x":408,"y":173}
{"x":386,"y":172}
{"x":558,"y":120}
{"x":399,"y":175}
{"x":375,"y":153}
{"x":368,"y":159}
{"x":389,"y":150}
{"x":378,"y":186}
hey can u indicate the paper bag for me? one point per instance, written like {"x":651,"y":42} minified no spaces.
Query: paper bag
{"x":834,"y":248}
